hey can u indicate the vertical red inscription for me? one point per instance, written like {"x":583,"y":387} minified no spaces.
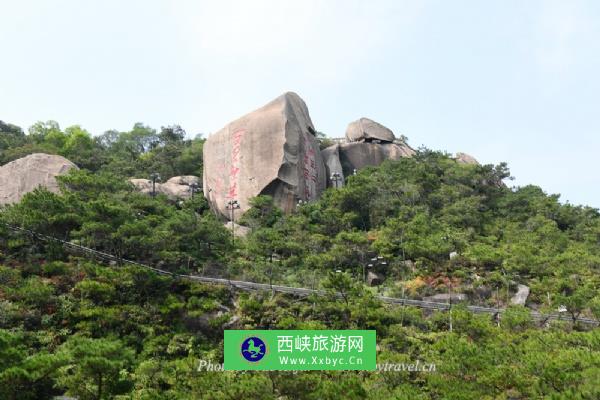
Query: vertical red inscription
{"x":234,"y":169}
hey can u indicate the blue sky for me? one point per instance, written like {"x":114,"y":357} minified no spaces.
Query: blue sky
{"x":514,"y":81}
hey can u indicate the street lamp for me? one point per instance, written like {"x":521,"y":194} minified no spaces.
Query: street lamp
{"x":232,"y":205}
{"x":273,"y":259}
{"x":193,"y":189}
{"x":154,"y":177}
{"x":335,"y":178}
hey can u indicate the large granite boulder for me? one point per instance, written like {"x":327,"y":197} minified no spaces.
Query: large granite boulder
{"x":271,"y":151}
{"x":28,"y":173}
{"x":367,"y":130}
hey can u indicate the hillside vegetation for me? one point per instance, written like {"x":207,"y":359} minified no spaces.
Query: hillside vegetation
{"x":70,"y":325}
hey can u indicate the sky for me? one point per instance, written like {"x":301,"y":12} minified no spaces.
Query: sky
{"x":513,"y":81}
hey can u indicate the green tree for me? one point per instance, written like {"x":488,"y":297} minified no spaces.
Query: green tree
{"x":94,"y":368}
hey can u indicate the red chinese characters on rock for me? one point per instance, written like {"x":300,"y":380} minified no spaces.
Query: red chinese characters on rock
{"x":309,"y":169}
{"x":234,"y":168}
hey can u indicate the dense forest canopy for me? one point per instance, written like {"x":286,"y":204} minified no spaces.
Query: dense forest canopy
{"x":71,"y":325}
{"x":135,"y":153}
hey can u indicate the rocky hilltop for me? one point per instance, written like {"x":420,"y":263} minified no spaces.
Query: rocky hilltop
{"x":28,"y":173}
{"x":274,"y":151}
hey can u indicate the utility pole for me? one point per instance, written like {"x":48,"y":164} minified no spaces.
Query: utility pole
{"x":403,"y":303}
{"x":273,"y":259}
{"x":154,"y":177}
{"x":498,"y":306}
{"x":232,"y":205}
{"x":507,"y":287}
{"x":450,"y":305}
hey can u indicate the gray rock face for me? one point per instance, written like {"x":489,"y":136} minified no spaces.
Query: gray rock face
{"x":178,"y":187}
{"x":520,"y":297}
{"x":271,"y":151}
{"x":331,"y":157}
{"x":28,"y":173}
{"x":366,"y":129}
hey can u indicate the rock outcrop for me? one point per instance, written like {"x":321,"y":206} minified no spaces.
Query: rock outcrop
{"x":367,"y":143}
{"x":351,"y":157}
{"x":178,"y":187}
{"x":464,"y":158}
{"x":520,"y":298}
{"x":374,"y":278}
{"x":363,"y":154}
{"x":365,"y":130}
{"x":28,"y":173}
{"x":271,"y":151}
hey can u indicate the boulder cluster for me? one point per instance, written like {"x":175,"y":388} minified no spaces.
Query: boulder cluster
{"x":178,"y":187}
{"x":271,"y":151}
{"x":274,"y":151}
{"x":367,"y":143}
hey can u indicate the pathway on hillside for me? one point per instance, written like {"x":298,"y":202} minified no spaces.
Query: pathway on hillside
{"x":537,"y":316}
